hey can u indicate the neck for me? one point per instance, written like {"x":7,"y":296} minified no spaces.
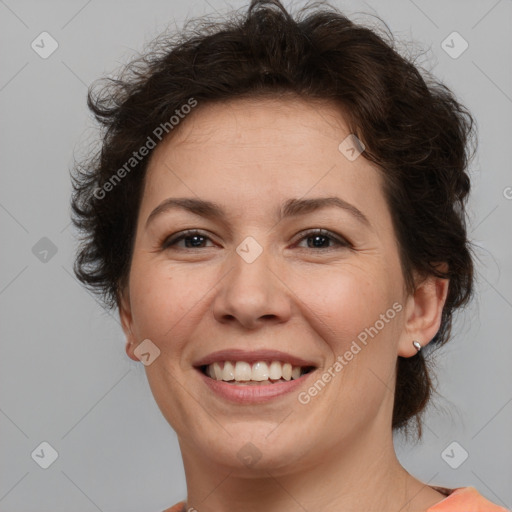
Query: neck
{"x":362,"y":473}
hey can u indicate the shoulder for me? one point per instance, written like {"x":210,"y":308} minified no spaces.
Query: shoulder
{"x":179,"y":507}
{"x":465,"y":499}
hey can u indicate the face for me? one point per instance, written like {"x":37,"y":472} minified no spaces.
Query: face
{"x":274,"y":275}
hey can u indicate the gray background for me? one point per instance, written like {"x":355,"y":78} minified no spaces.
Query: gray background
{"x":64,"y":376}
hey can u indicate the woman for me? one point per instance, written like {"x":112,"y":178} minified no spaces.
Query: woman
{"x":278,"y":213}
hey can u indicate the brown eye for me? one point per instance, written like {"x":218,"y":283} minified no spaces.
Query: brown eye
{"x":320,"y":237}
{"x":193,"y":239}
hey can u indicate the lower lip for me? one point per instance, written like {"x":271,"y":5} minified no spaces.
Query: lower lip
{"x":252,"y":394}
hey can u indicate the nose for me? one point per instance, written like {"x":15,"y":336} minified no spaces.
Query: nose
{"x":252,"y":294}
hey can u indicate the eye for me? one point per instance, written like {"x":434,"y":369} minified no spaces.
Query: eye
{"x":193,"y":239}
{"x":320,"y":236}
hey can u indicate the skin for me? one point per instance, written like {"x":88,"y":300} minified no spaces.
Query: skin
{"x":335,"y":453}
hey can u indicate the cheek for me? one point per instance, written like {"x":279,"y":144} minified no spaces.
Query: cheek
{"x":339,"y":300}
{"x":357,"y":312}
{"x":159,"y":298}
{"x":347,"y":299}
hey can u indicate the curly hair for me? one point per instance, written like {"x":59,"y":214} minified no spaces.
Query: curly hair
{"x":412,"y":126}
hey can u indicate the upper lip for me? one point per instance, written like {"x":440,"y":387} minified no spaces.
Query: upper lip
{"x":252,"y":357}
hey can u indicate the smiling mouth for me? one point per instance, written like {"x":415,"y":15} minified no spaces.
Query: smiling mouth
{"x":242,"y":373}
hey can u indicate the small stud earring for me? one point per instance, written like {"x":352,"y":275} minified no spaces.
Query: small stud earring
{"x":417,"y":345}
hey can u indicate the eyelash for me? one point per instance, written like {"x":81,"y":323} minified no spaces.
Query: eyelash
{"x":339,"y":240}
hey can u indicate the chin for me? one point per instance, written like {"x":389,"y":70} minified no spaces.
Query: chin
{"x":252,"y":448}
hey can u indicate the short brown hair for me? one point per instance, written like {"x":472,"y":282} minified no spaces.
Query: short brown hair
{"x":411,"y":125}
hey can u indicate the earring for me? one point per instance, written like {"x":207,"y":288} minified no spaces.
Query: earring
{"x":417,"y":345}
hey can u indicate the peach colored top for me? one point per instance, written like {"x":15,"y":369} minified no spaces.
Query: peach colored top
{"x":461,"y":499}
{"x":464,"y":499}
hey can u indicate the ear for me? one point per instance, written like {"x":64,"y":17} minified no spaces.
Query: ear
{"x":125,"y":315}
{"x":423,"y":313}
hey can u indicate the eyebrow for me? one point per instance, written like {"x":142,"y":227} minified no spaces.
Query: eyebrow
{"x":290,"y":208}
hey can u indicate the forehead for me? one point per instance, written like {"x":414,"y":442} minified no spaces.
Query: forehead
{"x":253,"y":151}
{"x":261,"y":117}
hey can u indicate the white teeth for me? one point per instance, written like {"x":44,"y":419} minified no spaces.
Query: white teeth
{"x":242,"y":371}
{"x":228,"y":372}
{"x":217,"y":371}
{"x":261,"y":371}
{"x":275,"y":370}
